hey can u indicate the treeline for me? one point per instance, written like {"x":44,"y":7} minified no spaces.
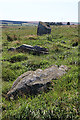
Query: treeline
{"x":57,"y":23}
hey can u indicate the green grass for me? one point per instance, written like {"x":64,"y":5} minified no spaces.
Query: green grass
{"x":61,"y":101}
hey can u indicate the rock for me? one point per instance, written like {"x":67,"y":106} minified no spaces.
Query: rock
{"x":24,"y":47}
{"x":34,"y":49}
{"x":32,"y":82}
{"x":12,"y":49}
{"x":63,"y":68}
{"x":75,"y":44}
{"x":63,"y":42}
{"x":43,"y":28}
{"x":38,"y":48}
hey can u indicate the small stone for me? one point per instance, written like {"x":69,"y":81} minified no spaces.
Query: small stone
{"x":75,"y":44}
{"x":63,"y":42}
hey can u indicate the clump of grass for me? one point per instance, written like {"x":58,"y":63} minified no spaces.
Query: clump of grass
{"x":17,"y":42}
{"x":44,"y":62}
{"x":63,"y":45}
{"x":55,"y":48}
{"x":74,"y":40}
{"x":6,"y":87}
{"x":32,"y":65}
{"x":11,"y":38}
{"x":8,"y":74}
{"x":17,"y":58}
{"x":49,"y":37}
{"x":16,"y":66}
{"x":15,"y":37}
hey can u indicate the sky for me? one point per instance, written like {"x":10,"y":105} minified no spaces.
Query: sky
{"x":39,"y":10}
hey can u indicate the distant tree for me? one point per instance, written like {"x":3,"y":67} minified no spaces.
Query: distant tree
{"x":59,"y":23}
{"x":68,"y":23}
{"x":48,"y":24}
{"x":52,"y":23}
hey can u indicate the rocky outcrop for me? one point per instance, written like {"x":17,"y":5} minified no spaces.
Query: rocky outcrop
{"x":33,"y":82}
{"x":28,"y":48}
{"x":43,"y":28}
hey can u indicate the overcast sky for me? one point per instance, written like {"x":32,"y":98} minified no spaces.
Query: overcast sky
{"x":39,"y":10}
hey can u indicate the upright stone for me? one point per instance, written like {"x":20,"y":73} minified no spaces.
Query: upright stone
{"x":43,"y":28}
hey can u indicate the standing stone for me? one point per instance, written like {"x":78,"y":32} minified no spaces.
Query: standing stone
{"x":43,"y":28}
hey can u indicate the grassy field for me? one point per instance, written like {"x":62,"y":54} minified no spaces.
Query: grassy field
{"x":61,"y":101}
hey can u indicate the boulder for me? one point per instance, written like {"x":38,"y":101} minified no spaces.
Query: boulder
{"x":43,"y":28}
{"x":32,"y":82}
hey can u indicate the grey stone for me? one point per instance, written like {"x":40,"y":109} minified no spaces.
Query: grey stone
{"x":25,"y":47}
{"x":43,"y":28}
{"x":33,"y":82}
{"x":28,"y":48}
{"x":38,"y":48}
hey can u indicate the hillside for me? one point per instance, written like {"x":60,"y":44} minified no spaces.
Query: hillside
{"x":60,"y":101}
{"x":8,"y":22}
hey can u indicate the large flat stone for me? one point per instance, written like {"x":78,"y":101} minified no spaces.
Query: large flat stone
{"x":32,"y":82}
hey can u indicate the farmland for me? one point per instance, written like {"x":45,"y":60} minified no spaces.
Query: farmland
{"x":61,"y":101}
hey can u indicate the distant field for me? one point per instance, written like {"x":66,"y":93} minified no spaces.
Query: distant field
{"x":61,"y":102}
